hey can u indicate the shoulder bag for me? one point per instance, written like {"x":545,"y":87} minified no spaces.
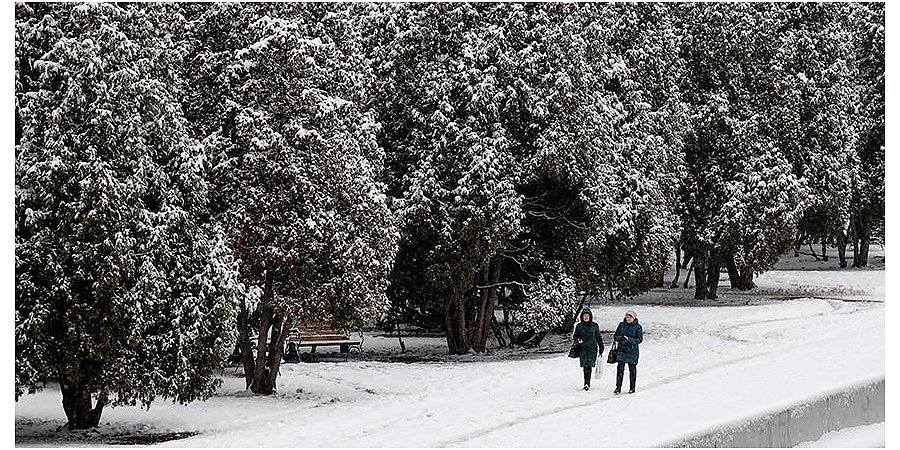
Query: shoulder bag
{"x":575,"y":351}
{"x":611,"y":357}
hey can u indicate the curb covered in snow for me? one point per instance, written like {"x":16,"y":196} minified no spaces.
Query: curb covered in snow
{"x":801,"y":422}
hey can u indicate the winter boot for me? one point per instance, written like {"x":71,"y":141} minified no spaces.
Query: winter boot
{"x":587,"y":387}
{"x":617,"y":391}
{"x":631,"y":391}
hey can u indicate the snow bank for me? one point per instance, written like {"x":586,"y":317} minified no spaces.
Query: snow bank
{"x":804,"y":422}
{"x":869,"y":436}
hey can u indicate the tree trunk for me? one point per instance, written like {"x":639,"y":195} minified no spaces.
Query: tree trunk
{"x":734,"y":277}
{"x":259,"y":367}
{"x":280,"y":329}
{"x":269,"y":355}
{"x":862,"y":235}
{"x":824,"y":251}
{"x":400,"y":338}
{"x":245,"y":345}
{"x":746,"y":280}
{"x":700,"y":278}
{"x":864,"y":250}
{"x":495,"y":327}
{"x":492,"y":299}
{"x":509,"y":331}
{"x":686,"y":259}
{"x":77,"y":404}
{"x":674,"y":283}
{"x":842,"y":248}
{"x":273,"y":356}
{"x":712,"y":276}
{"x":687,"y":276}
{"x":482,"y":326}
{"x":740,"y":279}
{"x":457,"y":341}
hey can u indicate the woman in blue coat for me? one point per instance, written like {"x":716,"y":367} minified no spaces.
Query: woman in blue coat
{"x":629,"y":335}
{"x":587,"y":333}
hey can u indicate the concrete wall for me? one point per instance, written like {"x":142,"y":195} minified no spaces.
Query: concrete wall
{"x":805,"y":421}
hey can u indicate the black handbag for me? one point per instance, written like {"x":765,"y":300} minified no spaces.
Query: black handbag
{"x":575,"y":351}
{"x":611,"y":357}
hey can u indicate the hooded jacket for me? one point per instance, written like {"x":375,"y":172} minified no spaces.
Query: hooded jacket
{"x":589,"y":332}
{"x":629,"y":352}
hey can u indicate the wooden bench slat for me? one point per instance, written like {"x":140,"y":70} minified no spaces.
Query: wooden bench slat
{"x":326,"y":343}
{"x":330,"y":337}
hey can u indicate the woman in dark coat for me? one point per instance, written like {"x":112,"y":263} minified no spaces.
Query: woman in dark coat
{"x":628,"y":334}
{"x":587,"y":333}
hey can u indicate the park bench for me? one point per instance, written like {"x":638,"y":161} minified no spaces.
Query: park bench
{"x":313,"y":335}
{"x":320,"y":334}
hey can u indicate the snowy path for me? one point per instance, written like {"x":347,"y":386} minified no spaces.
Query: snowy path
{"x":700,"y":366}
{"x":789,"y":353}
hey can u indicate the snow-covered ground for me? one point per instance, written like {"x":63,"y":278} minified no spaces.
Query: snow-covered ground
{"x":860,"y":285}
{"x":701,"y":366}
{"x":804,"y":276}
{"x":868,"y":436}
{"x":805,"y":260}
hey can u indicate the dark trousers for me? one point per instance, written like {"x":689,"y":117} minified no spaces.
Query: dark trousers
{"x":620,"y":373}
{"x":587,"y":375}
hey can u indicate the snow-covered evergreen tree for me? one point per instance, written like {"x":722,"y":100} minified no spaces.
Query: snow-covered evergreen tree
{"x":868,"y":196}
{"x":597,"y":124}
{"x":438,"y":98}
{"x":298,"y":168}
{"x":124,"y":290}
{"x":769,"y":84}
{"x":583,"y":127}
{"x":768,"y":90}
{"x":548,"y":303}
{"x":630,"y":190}
{"x":813,"y":95}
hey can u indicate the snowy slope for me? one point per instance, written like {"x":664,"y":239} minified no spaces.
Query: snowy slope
{"x":700,"y":366}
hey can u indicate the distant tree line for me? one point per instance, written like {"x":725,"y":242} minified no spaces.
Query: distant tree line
{"x":191,"y":174}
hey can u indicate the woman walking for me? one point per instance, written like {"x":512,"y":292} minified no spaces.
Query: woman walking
{"x":587,"y":333}
{"x":628,"y":334}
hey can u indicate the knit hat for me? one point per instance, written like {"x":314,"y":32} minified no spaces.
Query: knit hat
{"x":631,"y":313}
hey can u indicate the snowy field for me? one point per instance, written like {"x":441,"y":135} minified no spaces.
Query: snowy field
{"x":701,"y":366}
